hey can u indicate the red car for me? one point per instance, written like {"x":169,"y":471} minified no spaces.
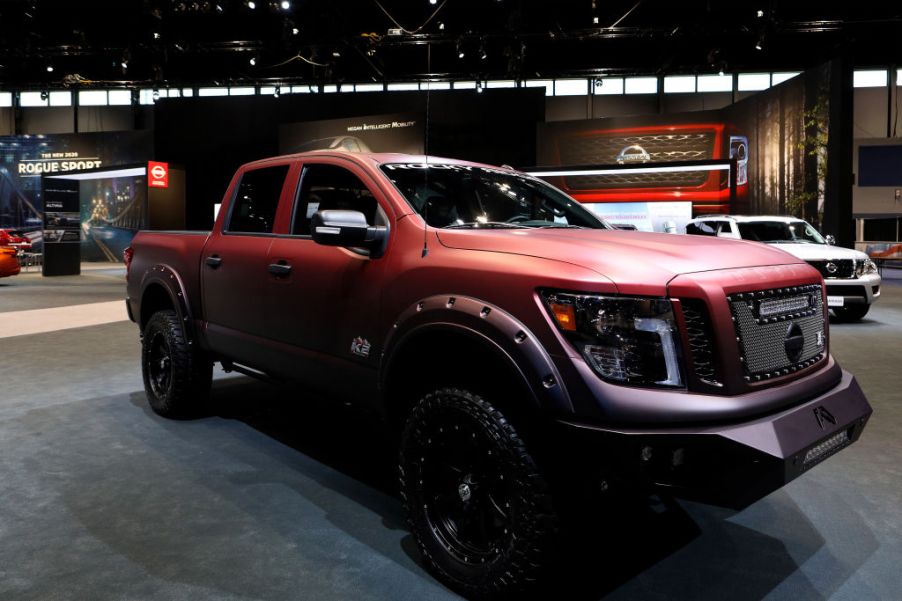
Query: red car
{"x":511,"y":339}
{"x":16,"y":239}
{"x":9,"y":264}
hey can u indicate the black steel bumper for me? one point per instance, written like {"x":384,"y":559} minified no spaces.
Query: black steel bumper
{"x":734,"y":464}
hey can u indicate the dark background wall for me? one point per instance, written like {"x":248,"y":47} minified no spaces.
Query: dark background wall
{"x":211,"y":137}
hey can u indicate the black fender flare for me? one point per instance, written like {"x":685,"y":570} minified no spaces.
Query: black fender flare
{"x":489,"y":324}
{"x":168,"y":278}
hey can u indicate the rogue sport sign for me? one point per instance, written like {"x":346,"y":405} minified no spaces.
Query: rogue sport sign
{"x":158,"y":174}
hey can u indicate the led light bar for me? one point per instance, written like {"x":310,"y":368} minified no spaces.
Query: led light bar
{"x":826,"y":448}
{"x":777,"y":306}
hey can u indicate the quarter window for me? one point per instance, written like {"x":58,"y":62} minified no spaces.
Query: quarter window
{"x":257,"y":199}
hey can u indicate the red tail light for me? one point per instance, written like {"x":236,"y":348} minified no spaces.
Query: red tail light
{"x":127,"y":255}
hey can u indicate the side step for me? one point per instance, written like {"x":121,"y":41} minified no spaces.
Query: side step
{"x":230,"y":366}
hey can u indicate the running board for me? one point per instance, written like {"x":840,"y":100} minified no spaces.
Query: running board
{"x":229,"y":366}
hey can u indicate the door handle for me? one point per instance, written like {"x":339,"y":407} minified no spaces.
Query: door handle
{"x":213,"y":261}
{"x":279,"y":269}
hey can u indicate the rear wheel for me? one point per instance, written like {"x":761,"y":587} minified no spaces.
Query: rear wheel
{"x":177,"y":377}
{"x":851,"y":312}
{"x":475,"y":499}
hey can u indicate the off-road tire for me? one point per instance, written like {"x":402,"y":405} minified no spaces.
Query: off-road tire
{"x":851,"y":313}
{"x":179,"y":388}
{"x":463,"y":427}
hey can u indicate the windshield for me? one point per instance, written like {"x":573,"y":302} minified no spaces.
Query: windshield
{"x":780,"y":231}
{"x":465,"y":196}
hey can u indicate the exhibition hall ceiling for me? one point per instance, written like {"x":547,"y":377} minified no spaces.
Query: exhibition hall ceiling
{"x":55,"y":43}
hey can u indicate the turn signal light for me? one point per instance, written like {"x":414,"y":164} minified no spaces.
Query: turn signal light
{"x":565,"y":316}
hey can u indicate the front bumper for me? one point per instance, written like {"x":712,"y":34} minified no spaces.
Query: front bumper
{"x":857,"y":291}
{"x":735,"y":464}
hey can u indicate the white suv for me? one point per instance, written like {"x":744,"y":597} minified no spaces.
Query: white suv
{"x":853,"y":283}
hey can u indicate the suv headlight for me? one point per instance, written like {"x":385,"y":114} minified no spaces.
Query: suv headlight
{"x":626,"y":340}
{"x":865,"y":267}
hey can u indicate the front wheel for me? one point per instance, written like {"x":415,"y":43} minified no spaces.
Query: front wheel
{"x":475,"y":499}
{"x":177,"y":377}
{"x":851,"y":313}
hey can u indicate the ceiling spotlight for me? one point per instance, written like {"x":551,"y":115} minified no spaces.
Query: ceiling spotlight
{"x":460,"y":50}
{"x":49,"y":68}
{"x":252,"y":5}
{"x":277,"y":91}
{"x":479,"y":87}
{"x":156,"y":94}
{"x":124,"y":65}
{"x":482,"y":53}
{"x":441,"y":25}
{"x":45,"y":95}
{"x":295,"y":31}
{"x":759,"y":45}
{"x":595,"y":20}
{"x":285,"y":5}
{"x":433,"y":1}
{"x":760,"y":13}
{"x":336,"y":54}
{"x":156,"y":35}
{"x":253,"y":61}
{"x":219,"y":8}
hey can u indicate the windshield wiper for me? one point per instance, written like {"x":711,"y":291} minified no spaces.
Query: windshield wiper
{"x":486,"y":224}
{"x":563,"y":225}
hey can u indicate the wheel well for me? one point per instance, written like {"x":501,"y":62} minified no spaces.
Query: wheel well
{"x":449,"y":358}
{"x":155,"y":298}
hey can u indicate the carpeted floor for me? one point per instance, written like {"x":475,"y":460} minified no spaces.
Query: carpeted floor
{"x":284,"y":496}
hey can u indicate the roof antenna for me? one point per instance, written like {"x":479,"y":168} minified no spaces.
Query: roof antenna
{"x":426,"y":176}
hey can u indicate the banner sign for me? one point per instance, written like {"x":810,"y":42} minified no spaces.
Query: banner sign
{"x":158,"y":174}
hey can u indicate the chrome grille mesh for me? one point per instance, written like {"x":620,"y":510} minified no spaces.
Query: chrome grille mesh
{"x":763,"y":340}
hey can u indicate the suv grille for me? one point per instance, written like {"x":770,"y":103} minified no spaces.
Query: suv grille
{"x":842,"y":268}
{"x":605,"y":149}
{"x":698,"y":331}
{"x":779,"y":331}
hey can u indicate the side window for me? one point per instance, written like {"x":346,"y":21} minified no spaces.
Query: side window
{"x":256,"y":200}
{"x":702,"y":228}
{"x":327,"y":187}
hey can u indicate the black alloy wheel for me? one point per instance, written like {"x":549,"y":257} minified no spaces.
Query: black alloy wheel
{"x":177,"y":377}
{"x":475,"y":499}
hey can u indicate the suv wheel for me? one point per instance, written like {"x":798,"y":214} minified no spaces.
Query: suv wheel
{"x":176,"y":377}
{"x":851,"y":313}
{"x":475,"y":500}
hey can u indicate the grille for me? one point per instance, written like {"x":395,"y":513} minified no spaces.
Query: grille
{"x":660,"y":148}
{"x":844,"y":268}
{"x":776,"y":336}
{"x":698,"y":331}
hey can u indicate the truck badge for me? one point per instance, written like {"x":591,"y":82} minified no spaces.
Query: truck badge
{"x":822,"y":416}
{"x":831,"y":268}
{"x":360,"y":347}
{"x":633,"y":154}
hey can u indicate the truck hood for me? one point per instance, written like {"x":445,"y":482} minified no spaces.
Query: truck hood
{"x":632,"y":260}
{"x":818,"y":252}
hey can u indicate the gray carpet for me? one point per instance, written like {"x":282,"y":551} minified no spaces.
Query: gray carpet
{"x":283,"y":496}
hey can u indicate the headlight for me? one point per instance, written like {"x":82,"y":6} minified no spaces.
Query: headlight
{"x":865,"y":267}
{"x":625,"y":340}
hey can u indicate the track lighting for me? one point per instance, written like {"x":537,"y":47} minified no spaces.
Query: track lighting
{"x":253,"y":61}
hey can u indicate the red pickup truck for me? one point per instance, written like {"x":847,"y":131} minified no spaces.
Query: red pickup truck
{"x":502,"y":329}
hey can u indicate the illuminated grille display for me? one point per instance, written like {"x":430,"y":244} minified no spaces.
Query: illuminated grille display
{"x":605,"y":149}
{"x":779,"y":306}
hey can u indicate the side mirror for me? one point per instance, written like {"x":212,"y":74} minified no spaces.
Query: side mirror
{"x":831,"y":239}
{"x":347,"y":228}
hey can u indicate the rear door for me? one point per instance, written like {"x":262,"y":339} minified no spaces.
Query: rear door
{"x":234,"y":264}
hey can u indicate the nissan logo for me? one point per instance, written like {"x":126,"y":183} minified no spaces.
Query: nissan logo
{"x":633,"y":154}
{"x":831,"y":267}
{"x":794,"y":342}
